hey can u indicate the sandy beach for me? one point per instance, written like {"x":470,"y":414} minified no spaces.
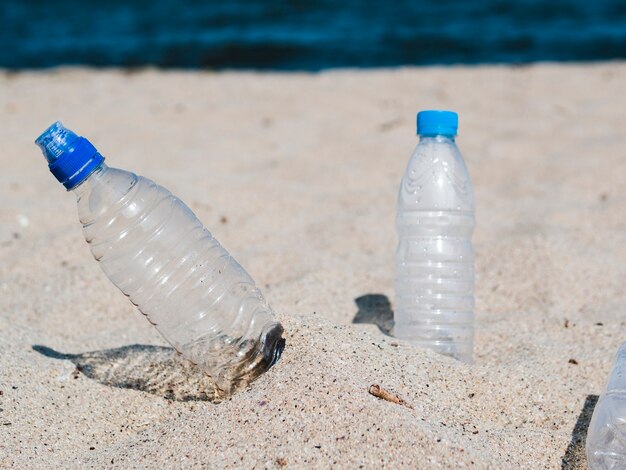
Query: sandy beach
{"x":297,"y":175}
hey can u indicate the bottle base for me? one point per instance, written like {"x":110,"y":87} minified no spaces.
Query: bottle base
{"x":459,"y":350}
{"x":258,"y":359}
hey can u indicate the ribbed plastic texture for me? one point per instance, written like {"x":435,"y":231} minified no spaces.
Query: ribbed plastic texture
{"x":155,"y":250}
{"x":434,"y":305}
{"x":606,"y":436}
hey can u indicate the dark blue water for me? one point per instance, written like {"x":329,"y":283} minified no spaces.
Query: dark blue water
{"x":307,"y":35}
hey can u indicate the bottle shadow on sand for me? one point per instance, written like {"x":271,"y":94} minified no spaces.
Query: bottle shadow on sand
{"x":157,"y":370}
{"x":375,"y":309}
{"x":575,"y":453}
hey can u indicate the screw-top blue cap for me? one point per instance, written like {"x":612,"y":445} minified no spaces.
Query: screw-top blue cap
{"x":436,"y":122}
{"x":71,"y":159}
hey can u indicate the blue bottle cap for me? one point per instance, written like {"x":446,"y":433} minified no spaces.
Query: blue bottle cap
{"x":71,"y":158}
{"x":436,"y":122}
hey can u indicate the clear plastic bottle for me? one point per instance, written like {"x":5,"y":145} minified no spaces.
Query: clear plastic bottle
{"x":155,"y":250}
{"x":606,"y":435}
{"x":434,"y":305}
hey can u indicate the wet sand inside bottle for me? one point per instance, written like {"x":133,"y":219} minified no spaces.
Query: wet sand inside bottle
{"x":229,"y":374}
{"x":262,"y":356}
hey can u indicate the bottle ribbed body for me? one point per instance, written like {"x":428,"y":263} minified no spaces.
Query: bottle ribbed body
{"x":156,"y":251}
{"x":606,"y":435}
{"x":434,"y":305}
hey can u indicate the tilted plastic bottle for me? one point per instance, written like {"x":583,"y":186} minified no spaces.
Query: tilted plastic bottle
{"x":155,"y":250}
{"x":606,"y":435}
{"x":434,"y":305}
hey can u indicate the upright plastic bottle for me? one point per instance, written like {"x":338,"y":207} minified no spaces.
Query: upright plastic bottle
{"x":434,"y":305}
{"x":155,"y":250}
{"x":606,"y":435}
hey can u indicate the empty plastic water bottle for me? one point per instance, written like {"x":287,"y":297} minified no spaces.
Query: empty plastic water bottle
{"x":434,"y":260}
{"x":606,"y":436}
{"x":155,"y":250}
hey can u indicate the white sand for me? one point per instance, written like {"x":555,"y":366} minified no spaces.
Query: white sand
{"x":297,"y":175}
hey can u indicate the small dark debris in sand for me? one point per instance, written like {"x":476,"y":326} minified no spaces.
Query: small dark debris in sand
{"x":281,"y":462}
{"x":76,"y":372}
{"x":604,"y":197}
{"x":6,"y":424}
{"x":386,"y":395}
{"x":573,"y":361}
{"x":1,"y":393}
{"x":566,"y":323}
{"x":471,"y":395}
{"x":599,"y":324}
{"x":224,"y":219}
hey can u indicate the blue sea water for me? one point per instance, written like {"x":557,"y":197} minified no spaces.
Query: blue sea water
{"x":307,"y":35}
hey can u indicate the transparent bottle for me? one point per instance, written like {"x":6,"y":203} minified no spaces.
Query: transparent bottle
{"x":155,"y":250}
{"x":434,"y":306}
{"x":606,"y":435}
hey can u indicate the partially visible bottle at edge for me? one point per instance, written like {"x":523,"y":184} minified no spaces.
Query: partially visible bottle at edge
{"x":434,"y":305}
{"x":606,"y":436}
{"x":155,"y":250}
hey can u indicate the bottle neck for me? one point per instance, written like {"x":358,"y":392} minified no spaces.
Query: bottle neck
{"x":89,"y":181}
{"x":439,"y":138}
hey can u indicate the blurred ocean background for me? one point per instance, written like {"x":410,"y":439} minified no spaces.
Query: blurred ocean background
{"x":307,"y":35}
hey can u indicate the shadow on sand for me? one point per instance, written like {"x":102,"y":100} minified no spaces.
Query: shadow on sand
{"x":375,"y":309}
{"x":574,"y":457}
{"x":157,"y":370}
